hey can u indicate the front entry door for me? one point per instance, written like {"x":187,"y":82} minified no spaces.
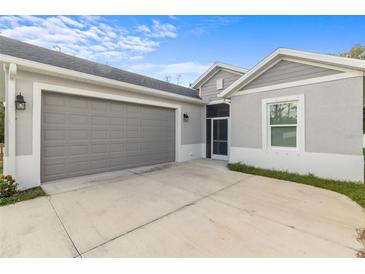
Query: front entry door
{"x":219,"y":138}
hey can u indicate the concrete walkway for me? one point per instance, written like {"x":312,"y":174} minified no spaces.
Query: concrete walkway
{"x":192,"y":209}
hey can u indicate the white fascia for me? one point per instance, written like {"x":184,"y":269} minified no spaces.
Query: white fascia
{"x":71,"y":74}
{"x":347,"y":65}
{"x":214,"y":69}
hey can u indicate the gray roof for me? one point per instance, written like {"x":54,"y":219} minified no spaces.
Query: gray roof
{"x":31,"y":52}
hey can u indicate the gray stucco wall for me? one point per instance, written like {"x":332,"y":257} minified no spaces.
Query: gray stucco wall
{"x":209,"y":90}
{"x":286,"y":71}
{"x":333,"y":116}
{"x":191,"y":131}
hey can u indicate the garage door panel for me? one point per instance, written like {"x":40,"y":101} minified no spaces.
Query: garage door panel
{"x":99,"y":148}
{"x":83,"y":135}
{"x":99,"y":134}
{"x":78,"y":119}
{"x":55,"y":170}
{"x":55,"y":151}
{"x":79,"y":150}
{"x":79,"y":166}
{"x":55,"y":134}
{"x":78,"y":133}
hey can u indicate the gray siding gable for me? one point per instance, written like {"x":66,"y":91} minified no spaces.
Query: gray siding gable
{"x":287,"y":71}
{"x":209,"y":89}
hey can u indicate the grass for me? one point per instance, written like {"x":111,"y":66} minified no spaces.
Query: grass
{"x":354,"y":191}
{"x":23,"y":196}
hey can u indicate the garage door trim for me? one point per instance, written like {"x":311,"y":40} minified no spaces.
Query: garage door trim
{"x":37,"y":113}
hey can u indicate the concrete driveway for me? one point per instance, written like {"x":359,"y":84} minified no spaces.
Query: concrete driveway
{"x":192,"y":209}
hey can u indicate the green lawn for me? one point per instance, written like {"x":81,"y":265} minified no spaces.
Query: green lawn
{"x":354,"y":191}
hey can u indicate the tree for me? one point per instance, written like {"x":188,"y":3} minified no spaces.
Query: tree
{"x":357,"y":51}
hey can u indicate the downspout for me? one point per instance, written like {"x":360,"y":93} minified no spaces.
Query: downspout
{"x":10,"y":126}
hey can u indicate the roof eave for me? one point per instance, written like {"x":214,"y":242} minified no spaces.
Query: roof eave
{"x":213,"y":68}
{"x":354,"y":64}
{"x":75,"y":75}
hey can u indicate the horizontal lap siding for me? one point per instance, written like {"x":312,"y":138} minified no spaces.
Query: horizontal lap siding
{"x":84,"y":135}
{"x":209,"y":90}
{"x":286,"y":71}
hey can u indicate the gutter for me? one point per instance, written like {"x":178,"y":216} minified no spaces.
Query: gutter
{"x":33,"y":66}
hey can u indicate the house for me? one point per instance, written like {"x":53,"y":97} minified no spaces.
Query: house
{"x":295,"y":111}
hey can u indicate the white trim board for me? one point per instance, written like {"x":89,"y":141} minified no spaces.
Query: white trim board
{"x":325,"y":165}
{"x":34,"y":162}
{"x":339,"y":63}
{"x":299,"y":98}
{"x":32,"y":66}
{"x":311,"y":81}
{"x":218,"y":156}
{"x":213,"y":69}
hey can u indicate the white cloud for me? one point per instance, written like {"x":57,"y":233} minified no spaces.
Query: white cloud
{"x":158,"y":30}
{"x":90,"y":37}
{"x":71,"y":22}
{"x":136,"y":43}
{"x":143,"y":28}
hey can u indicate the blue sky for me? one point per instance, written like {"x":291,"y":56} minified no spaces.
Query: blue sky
{"x":161,"y":46}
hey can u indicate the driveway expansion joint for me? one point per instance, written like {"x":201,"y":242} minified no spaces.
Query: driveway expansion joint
{"x":64,"y":227}
{"x":162,"y":216}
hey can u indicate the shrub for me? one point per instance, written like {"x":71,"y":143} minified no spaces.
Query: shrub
{"x":8,"y":187}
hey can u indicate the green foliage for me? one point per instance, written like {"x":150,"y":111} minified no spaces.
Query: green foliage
{"x":357,"y":51}
{"x":22,"y":196}
{"x":7,"y":186}
{"x":354,"y":191}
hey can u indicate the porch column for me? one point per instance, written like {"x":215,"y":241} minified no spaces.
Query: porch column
{"x":10,"y":127}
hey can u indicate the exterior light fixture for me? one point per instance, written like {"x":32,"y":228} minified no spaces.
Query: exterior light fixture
{"x":19,"y":102}
{"x":186,"y":117}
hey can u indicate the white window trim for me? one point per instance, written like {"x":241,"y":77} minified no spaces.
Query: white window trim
{"x":300,"y":123}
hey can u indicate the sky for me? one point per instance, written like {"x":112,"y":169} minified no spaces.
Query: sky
{"x":180,"y":48}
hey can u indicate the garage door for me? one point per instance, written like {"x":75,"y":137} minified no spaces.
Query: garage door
{"x":82,"y":135}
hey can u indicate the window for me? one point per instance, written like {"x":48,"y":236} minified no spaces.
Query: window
{"x":219,"y":84}
{"x":283,"y":124}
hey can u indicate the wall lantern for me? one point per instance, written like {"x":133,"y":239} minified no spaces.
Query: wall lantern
{"x":19,"y":102}
{"x":186,"y":117}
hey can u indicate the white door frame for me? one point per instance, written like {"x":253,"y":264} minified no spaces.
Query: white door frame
{"x":217,"y":156}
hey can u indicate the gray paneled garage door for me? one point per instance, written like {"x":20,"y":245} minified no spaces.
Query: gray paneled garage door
{"x":82,"y":135}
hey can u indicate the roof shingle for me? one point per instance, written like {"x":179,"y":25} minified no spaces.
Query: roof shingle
{"x":34,"y":53}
